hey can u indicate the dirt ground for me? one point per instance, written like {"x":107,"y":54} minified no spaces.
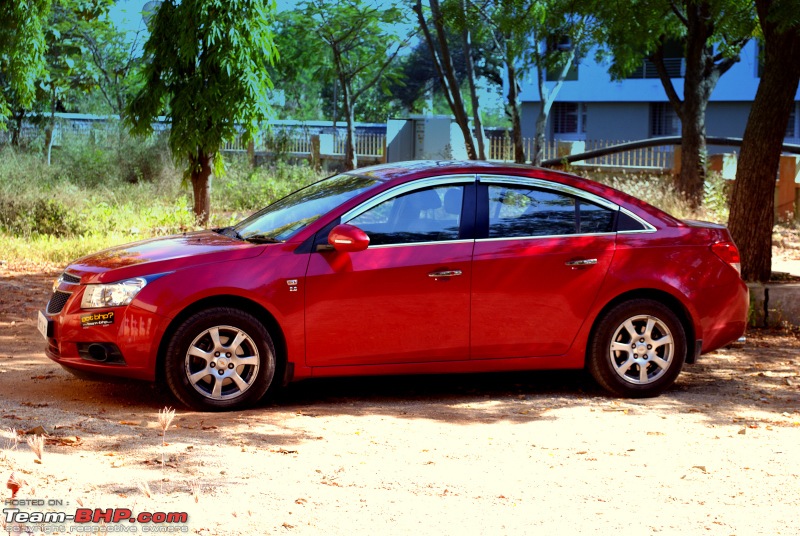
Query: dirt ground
{"x":523,"y":453}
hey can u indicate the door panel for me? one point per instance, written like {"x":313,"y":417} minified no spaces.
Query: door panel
{"x":526,"y":300}
{"x":405,"y":298}
{"x":537,"y":270}
{"x":382,"y":306}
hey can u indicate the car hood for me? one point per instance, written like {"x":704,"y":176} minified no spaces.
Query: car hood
{"x":161,"y":255}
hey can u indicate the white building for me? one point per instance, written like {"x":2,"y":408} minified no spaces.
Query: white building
{"x":590,"y":106}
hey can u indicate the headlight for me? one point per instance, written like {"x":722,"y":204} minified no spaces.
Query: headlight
{"x":112,"y":294}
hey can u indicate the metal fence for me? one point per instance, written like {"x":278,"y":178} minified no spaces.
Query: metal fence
{"x":502,"y":149}
{"x":298,"y":142}
{"x":295,"y":139}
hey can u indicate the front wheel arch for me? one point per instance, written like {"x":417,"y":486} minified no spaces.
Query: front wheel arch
{"x":234,"y":302}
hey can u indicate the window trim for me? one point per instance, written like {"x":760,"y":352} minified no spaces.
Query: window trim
{"x":483,"y":206}
{"x":548,"y":185}
{"x":404,"y":188}
{"x":648,"y":227}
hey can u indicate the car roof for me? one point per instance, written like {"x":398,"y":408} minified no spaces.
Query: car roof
{"x":418,"y":168}
{"x":407,"y":171}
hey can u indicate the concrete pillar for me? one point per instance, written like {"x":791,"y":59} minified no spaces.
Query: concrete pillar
{"x":724,"y":164}
{"x":326,"y":146}
{"x":316,"y":159}
{"x":566,"y":148}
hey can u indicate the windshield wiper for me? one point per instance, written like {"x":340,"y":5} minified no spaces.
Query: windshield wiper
{"x":261,"y":239}
{"x":230,"y":232}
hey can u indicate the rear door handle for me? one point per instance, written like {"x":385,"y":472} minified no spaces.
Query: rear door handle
{"x":445,"y":273}
{"x":581,"y":262}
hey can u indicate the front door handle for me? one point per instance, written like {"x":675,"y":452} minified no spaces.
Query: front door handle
{"x":581,"y":262}
{"x":445,"y":273}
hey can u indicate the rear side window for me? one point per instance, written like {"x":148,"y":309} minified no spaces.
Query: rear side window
{"x":595,"y":219}
{"x":522,"y":211}
{"x":517,"y":211}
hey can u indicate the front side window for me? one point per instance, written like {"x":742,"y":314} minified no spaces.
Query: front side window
{"x":427,"y":215}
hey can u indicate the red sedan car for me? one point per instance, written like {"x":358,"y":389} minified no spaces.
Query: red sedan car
{"x":422,"y":267}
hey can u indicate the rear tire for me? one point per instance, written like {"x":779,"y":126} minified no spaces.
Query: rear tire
{"x":220,"y":359}
{"x":638,"y":349}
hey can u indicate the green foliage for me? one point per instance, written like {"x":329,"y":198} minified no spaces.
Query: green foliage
{"x":22,"y":49}
{"x":69,"y":70}
{"x":244,"y":188}
{"x":301,"y":72}
{"x":419,"y":74}
{"x":717,"y":197}
{"x":633,"y":31}
{"x":205,"y":71}
{"x":84,"y":201}
{"x":659,"y":191}
{"x":39,"y":216}
{"x":116,"y":64}
{"x":362,"y":42}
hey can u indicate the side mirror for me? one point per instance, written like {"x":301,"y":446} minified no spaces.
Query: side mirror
{"x":348,"y":238}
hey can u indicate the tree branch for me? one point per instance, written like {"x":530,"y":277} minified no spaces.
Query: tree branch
{"x":678,"y":13}
{"x":658,"y":60}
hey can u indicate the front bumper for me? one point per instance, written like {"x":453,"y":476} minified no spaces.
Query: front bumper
{"x":118,"y":341}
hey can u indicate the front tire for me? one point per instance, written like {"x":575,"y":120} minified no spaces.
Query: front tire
{"x":220,"y":359}
{"x":638,"y":349}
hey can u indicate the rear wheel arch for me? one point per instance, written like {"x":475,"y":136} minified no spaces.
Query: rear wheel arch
{"x":657,"y":295}
{"x":235,"y":302}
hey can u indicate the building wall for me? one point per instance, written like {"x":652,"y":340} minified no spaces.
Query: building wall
{"x":617,"y":121}
{"x":631,"y":121}
{"x":727,"y":118}
{"x":620,"y":110}
{"x":594,"y":84}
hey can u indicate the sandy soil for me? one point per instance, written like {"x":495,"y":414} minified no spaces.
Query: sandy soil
{"x":532,"y":453}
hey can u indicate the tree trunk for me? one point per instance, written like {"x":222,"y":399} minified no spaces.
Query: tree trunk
{"x":753,"y":202}
{"x":16,"y":128}
{"x":513,"y":111}
{"x":703,"y":69}
{"x":446,"y":72}
{"x":201,"y":185}
{"x":350,"y":158}
{"x":540,"y":137}
{"x":473,"y":92}
{"x":693,"y":147}
{"x":699,"y":81}
{"x":50,"y":128}
{"x":546,"y":99}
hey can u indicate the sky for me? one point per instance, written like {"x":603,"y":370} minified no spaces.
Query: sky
{"x":127,"y":14}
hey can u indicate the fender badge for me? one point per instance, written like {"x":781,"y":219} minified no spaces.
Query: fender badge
{"x":292,"y":285}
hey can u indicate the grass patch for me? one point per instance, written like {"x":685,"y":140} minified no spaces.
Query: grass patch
{"x":89,"y":199}
{"x":659,"y":191}
{"x":92,"y":198}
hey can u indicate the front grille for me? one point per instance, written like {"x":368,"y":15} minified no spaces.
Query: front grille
{"x":69,"y":278}
{"x":57,"y":302}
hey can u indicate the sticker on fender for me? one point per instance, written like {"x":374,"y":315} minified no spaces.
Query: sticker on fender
{"x":97,"y":319}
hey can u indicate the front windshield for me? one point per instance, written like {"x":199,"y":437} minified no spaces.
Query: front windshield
{"x":280,"y":220}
